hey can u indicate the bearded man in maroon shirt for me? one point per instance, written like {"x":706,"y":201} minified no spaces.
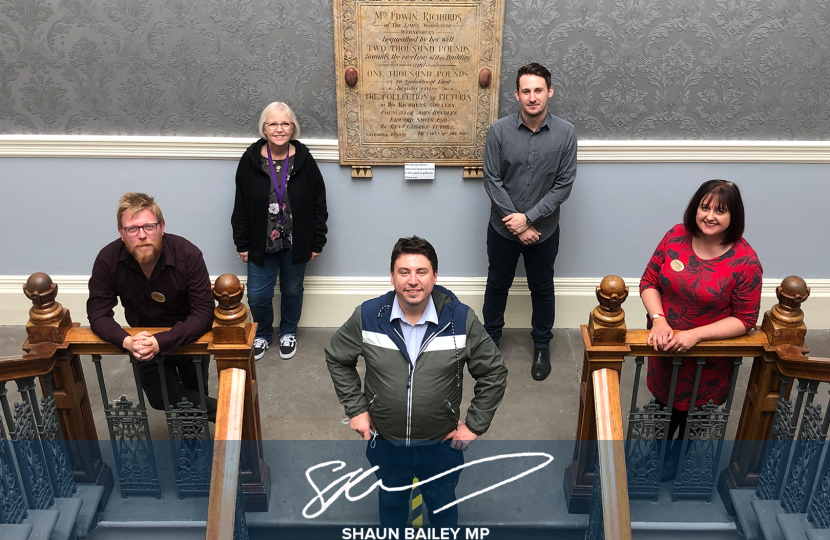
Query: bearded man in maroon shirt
{"x":162,"y":281}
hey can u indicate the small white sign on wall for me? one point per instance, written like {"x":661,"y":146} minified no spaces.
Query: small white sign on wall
{"x":419,"y":171}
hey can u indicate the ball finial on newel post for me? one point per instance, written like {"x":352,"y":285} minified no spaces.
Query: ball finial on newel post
{"x":784,"y":323}
{"x":230,"y":315}
{"x":607,"y":322}
{"x":48,"y":320}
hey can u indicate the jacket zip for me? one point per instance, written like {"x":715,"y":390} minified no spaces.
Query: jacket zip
{"x":411,"y":377}
{"x":451,"y":408}
{"x":408,"y":394}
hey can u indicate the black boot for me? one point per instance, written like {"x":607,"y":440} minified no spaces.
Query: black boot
{"x":541,"y":364}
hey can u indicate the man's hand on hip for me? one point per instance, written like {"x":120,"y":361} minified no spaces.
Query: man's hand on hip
{"x":461,"y":437}
{"x":362,"y":424}
{"x":516,"y":223}
{"x":530,"y":236}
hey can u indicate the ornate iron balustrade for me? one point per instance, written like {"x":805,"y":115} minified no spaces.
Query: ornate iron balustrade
{"x":596,"y":527}
{"x":230,"y":342}
{"x":608,"y":342}
{"x":39,"y":468}
{"x":792,"y":471}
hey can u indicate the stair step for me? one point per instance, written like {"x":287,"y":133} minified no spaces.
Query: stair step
{"x":15,"y":532}
{"x":91,"y":495}
{"x":766,"y":511}
{"x":744,"y":513}
{"x":818,"y":534}
{"x":43,"y":523}
{"x":793,"y":526}
{"x":69,"y":510}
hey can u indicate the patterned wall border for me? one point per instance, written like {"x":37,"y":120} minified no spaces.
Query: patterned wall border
{"x":326,"y":150}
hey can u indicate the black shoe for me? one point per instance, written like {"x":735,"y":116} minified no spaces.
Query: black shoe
{"x":541,"y":364}
{"x":671,"y":462}
{"x":288,"y":346}
{"x":260,"y":346}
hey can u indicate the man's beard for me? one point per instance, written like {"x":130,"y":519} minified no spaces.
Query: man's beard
{"x":143,"y":256}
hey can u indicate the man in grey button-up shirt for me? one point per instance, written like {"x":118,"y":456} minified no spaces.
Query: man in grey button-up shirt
{"x":529,"y":169}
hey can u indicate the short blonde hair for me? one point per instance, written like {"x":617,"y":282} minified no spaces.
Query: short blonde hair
{"x":295,"y":133}
{"x":135,"y":203}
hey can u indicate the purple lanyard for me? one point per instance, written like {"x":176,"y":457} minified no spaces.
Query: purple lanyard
{"x":279,"y":189}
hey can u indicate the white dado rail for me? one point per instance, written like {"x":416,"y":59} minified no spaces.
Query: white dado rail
{"x":325,"y":150}
{"x":330,"y":300}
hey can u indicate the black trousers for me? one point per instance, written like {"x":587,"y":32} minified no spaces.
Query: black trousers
{"x":180,"y":378}
{"x":676,"y":423}
{"x":503,"y":255}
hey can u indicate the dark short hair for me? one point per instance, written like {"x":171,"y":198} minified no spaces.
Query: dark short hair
{"x":533,"y":69}
{"x":414,"y":245}
{"x":728,"y":196}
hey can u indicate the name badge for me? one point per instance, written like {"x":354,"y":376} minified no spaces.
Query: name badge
{"x":158,"y":297}
{"x":677,"y":266}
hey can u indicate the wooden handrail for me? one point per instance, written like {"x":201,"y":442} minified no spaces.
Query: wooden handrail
{"x":776,"y":347}
{"x":230,"y":342}
{"x":616,"y":514}
{"x":226,"y":452}
{"x":37,"y":362}
{"x":791,"y":362}
{"x":749,"y":345}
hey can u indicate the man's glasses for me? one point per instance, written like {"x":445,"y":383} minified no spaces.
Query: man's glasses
{"x":274,"y":125}
{"x":149,"y":228}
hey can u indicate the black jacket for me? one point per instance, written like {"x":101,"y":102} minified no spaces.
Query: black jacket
{"x":306,"y":191}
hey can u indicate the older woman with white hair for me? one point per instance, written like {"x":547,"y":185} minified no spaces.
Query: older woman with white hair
{"x":279,"y":223}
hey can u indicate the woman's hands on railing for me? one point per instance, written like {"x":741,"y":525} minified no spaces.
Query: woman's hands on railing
{"x":660,"y":335}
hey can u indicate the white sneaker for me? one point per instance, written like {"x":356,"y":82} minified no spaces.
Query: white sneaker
{"x":260,"y":346}
{"x":288,"y":346}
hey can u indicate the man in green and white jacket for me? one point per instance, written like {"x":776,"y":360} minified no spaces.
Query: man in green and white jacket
{"x":415,"y":341}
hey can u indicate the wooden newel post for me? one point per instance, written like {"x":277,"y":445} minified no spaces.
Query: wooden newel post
{"x":49,"y":322}
{"x":783,"y":325}
{"x":604,"y":342}
{"x":606,"y":324}
{"x":232,"y":347}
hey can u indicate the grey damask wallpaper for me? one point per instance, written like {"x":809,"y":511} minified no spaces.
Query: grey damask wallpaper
{"x":623,"y":69}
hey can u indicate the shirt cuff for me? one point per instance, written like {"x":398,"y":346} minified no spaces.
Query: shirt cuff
{"x":533,"y":215}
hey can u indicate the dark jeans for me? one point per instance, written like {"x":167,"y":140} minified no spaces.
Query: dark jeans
{"x":503,"y":255}
{"x":261,"y":282}
{"x":398,"y":465}
{"x":181,"y":380}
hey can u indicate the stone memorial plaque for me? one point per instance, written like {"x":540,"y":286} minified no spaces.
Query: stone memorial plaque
{"x":416,"y":80}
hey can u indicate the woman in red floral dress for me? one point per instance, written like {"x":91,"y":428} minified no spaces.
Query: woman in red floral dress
{"x":704,"y":280}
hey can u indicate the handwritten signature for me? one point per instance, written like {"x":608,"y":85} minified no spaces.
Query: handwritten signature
{"x":354,"y":478}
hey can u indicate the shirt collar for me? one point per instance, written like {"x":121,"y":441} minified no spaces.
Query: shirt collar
{"x":429,"y":315}
{"x":521,"y":122}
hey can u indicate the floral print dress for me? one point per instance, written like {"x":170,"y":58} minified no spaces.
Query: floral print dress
{"x":697,"y":292}
{"x":279,"y":236}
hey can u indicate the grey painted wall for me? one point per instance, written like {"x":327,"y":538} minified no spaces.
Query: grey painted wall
{"x":55,"y":214}
{"x":653,"y":69}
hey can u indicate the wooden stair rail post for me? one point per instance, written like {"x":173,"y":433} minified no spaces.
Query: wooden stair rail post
{"x":49,"y":322}
{"x":783,"y":325}
{"x":616,"y":514}
{"x":604,"y":342}
{"x":226,"y":454}
{"x":232,"y":347}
